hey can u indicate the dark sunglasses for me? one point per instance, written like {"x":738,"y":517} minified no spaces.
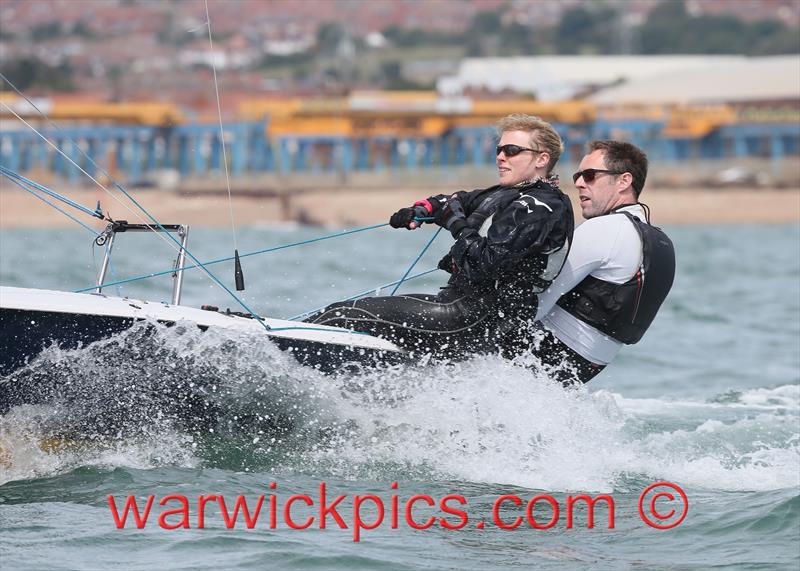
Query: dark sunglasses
{"x":590,"y":174}
{"x":514,"y":150}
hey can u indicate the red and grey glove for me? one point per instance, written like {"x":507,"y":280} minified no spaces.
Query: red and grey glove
{"x":408,"y":217}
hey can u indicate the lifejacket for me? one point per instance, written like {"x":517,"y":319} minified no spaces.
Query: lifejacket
{"x":625,"y":311}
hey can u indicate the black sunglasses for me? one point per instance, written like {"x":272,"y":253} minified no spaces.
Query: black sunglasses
{"x":590,"y":174}
{"x":514,"y":150}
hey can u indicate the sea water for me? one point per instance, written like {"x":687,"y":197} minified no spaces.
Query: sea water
{"x":708,"y":401}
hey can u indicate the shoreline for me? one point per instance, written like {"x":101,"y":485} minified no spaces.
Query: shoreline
{"x":344,"y":207}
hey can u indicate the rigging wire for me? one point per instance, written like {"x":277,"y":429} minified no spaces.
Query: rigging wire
{"x":167,"y":238}
{"x":238,"y":275}
{"x":23,"y":183}
{"x":18,"y":178}
{"x":414,"y":263}
{"x":88,"y":157}
{"x":228,"y":259}
{"x":133,"y":212}
{"x":31,"y":187}
{"x":221,"y":129}
{"x":364,"y":293}
{"x":98,"y":213}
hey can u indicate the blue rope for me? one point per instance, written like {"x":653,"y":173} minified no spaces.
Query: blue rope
{"x":192,"y":256}
{"x":18,"y":178}
{"x":21,"y":181}
{"x":220,"y":260}
{"x":411,"y":267}
{"x":23,"y":186}
{"x":140,"y":207}
{"x":362,"y":294}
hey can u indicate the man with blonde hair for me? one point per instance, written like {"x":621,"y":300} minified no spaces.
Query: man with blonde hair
{"x":511,"y":241}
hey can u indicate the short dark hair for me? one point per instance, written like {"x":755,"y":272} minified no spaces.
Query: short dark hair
{"x":624,"y":157}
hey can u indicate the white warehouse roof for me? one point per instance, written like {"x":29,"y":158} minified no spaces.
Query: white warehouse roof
{"x":751,"y":79}
{"x":635,"y":78}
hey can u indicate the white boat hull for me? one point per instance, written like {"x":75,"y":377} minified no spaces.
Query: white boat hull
{"x":31,"y":319}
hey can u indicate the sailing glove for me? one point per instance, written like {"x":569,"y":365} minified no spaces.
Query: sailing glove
{"x":452,"y":217}
{"x":405,"y":217}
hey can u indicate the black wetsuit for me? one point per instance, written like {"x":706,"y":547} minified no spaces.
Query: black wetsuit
{"x":513,"y":245}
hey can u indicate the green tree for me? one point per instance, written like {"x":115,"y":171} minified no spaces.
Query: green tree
{"x":486,"y":23}
{"x":671,"y":29}
{"x":30,"y":72}
{"x":583,"y":30}
{"x":328,"y":37}
{"x":46,"y":31}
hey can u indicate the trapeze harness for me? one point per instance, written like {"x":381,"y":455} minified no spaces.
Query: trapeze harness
{"x":514,"y":244}
{"x":623,"y":311}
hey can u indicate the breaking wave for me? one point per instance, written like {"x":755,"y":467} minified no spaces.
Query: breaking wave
{"x":175,"y":396}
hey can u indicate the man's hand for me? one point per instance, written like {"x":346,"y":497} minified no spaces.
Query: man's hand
{"x":404,"y":218}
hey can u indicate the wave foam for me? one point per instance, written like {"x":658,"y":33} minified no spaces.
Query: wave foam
{"x":484,"y":420}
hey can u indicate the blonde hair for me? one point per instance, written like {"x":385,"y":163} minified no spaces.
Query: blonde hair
{"x":543,"y":136}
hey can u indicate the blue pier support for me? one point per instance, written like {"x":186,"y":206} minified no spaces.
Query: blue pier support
{"x":428,"y":158}
{"x":11,"y":152}
{"x":166,"y":159}
{"x":91,"y":152}
{"x":347,"y":155}
{"x":216,"y":154}
{"x":25,"y":153}
{"x":260,"y":154}
{"x":183,"y":155}
{"x":239,"y":151}
{"x":411,"y":153}
{"x":302,"y":155}
{"x":74,"y":173}
{"x":58,"y":159}
{"x":362,"y":154}
{"x":135,"y":166}
{"x":740,"y":146}
{"x":122,"y":165}
{"x":378,"y":158}
{"x":777,"y":147}
{"x":394,"y":153}
{"x":286,"y":155}
{"x":151,"y":158}
{"x":478,"y":156}
{"x":198,"y":155}
{"x":459,"y":152}
{"x":42,"y":154}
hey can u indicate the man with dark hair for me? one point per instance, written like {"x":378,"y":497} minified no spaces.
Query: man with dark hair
{"x":511,"y":240}
{"x":618,"y":272}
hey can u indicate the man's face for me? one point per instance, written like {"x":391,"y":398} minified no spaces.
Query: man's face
{"x":601,"y":195}
{"x":525,"y":166}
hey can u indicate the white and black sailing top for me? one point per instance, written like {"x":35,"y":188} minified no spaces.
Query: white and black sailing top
{"x":617,"y":274}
